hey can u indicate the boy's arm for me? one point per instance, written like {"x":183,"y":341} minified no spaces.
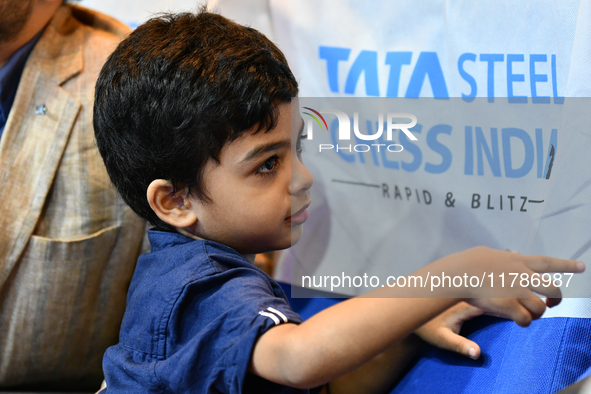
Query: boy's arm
{"x":347,"y":335}
{"x":380,"y":373}
{"x":339,"y":339}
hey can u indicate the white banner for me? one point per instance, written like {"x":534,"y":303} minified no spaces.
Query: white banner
{"x":503,"y":52}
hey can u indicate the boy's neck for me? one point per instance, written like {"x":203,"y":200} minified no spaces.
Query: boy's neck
{"x":249,"y":257}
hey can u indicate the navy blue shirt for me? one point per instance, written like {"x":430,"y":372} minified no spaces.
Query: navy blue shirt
{"x":194,"y":312}
{"x":10,"y":75}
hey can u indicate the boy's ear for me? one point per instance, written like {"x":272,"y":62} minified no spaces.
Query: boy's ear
{"x":172,"y":208}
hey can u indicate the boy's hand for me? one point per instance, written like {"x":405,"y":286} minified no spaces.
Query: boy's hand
{"x":514,"y":301}
{"x":443,"y":331}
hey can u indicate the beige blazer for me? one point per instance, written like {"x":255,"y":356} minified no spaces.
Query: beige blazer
{"x":68,"y":244}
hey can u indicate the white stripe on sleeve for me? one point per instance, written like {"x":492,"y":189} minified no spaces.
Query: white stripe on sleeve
{"x":281,"y":315}
{"x":270,"y":315}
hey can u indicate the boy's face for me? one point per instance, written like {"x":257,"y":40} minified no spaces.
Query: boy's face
{"x":259,"y":182}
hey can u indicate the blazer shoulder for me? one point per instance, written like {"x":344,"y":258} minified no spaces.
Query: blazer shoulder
{"x":100,"y":36}
{"x":100,"y":22}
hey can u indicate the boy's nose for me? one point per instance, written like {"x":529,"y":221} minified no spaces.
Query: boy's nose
{"x":301,"y":178}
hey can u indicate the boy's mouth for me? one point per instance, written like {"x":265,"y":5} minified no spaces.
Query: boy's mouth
{"x":299,"y":217}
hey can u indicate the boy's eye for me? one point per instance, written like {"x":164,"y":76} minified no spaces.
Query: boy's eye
{"x":269,"y":165}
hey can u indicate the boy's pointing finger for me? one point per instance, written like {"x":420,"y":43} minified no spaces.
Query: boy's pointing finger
{"x":550,"y":264}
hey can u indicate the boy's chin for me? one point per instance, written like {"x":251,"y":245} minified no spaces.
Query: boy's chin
{"x":281,"y":244}
{"x":296,"y":234}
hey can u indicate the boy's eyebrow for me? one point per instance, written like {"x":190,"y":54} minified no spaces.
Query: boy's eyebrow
{"x":264,"y":148}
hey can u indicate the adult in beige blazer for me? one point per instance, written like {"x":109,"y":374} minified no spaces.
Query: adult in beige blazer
{"x":68,"y":243}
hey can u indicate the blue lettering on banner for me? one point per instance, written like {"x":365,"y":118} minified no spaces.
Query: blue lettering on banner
{"x":439,"y":148}
{"x":427,"y":66}
{"x":467,"y":77}
{"x":366,"y":64}
{"x":486,"y":151}
{"x":535,"y":78}
{"x":396,"y":60}
{"x":491,"y":152}
{"x":333,"y":56}
{"x":512,"y":139}
{"x":413,"y":149}
{"x":490,"y":59}
{"x":387,"y":163}
{"x":512,"y":77}
{"x":528,"y":162}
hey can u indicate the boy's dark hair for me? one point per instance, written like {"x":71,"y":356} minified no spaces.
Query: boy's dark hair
{"x":174,"y":92}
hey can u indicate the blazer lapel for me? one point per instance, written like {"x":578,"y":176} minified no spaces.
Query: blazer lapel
{"x":35,"y":137}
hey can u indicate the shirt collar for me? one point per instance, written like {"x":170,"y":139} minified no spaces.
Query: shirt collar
{"x":164,"y":239}
{"x":160,"y":240}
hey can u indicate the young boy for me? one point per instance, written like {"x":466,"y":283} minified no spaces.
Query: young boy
{"x":194,"y":117}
